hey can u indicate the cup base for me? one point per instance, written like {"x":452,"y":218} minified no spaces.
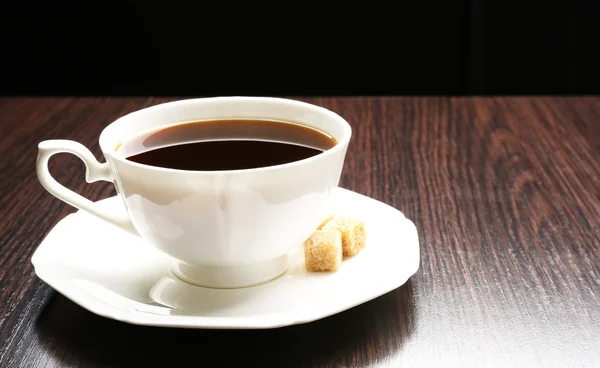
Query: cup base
{"x":230,"y":277}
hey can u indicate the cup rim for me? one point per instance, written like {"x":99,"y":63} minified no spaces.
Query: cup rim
{"x":341,"y":144}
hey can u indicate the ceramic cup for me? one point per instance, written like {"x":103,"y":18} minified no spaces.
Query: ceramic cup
{"x":223,"y":229}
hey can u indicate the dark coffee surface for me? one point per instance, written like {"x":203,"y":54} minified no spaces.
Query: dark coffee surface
{"x":226,"y":145}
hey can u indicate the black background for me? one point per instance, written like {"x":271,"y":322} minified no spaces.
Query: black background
{"x":291,"y":48}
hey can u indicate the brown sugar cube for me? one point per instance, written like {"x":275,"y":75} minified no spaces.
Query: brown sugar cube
{"x":323,"y":251}
{"x":353,"y":234}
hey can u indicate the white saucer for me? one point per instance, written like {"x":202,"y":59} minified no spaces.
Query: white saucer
{"x":116,"y":275}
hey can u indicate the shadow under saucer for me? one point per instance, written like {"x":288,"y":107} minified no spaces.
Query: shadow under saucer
{"x":360,"y":336}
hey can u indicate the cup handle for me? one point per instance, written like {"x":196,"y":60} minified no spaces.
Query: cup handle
{"x":94,"y":171}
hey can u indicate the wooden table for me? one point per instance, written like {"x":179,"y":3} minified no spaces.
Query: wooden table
{"x":505,"y":193}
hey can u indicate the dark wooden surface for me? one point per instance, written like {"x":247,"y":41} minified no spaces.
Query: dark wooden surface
{"x":505,"y":193}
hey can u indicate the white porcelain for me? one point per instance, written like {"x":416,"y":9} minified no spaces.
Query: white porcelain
{"x":224,"y":229}
{"x":115,"y":274}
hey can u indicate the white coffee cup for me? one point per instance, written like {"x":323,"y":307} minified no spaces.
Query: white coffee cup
{"x":223,"y":229}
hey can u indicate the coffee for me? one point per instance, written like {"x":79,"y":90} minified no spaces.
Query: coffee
{"x":232,"y":144}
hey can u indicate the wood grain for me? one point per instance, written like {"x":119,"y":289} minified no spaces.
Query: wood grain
{"x":505,"y":193}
